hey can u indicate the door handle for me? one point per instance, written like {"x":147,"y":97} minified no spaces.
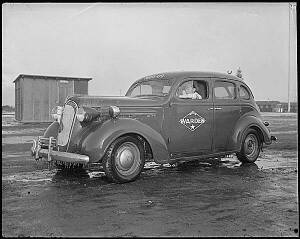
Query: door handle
{"x":218,"y":108}
{"x":211,"y":108}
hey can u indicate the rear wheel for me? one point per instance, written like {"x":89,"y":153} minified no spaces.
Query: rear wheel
{"x":250,"y":147}
{"x":124,"y":160}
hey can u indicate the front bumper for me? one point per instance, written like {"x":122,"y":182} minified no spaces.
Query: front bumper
{"x":51,"y":154}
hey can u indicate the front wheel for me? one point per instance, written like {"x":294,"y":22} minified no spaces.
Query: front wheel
{"x":250,"y":147}
{"x":124,"y":160}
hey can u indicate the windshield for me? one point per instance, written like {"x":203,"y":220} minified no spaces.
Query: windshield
{"x":155,"y":87}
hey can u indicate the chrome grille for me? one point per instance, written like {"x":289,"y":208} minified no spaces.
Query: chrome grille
{"x":44,"y":142}
{"x":66,"y":123}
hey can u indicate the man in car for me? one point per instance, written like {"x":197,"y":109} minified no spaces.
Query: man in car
{"x":190,"y":93}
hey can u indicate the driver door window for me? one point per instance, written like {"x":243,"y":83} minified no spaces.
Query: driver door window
{"x":193,"y":89}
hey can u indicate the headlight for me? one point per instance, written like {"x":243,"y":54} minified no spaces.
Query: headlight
{"x":114,"y":111}
{"x":81,"y":115}
{"x":86,"y":114}
{"x":56,"y":113}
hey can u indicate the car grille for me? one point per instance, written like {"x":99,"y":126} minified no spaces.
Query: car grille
{"x":66,"y":124}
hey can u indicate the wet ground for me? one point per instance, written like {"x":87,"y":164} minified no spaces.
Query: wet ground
{"x":220,"y":197}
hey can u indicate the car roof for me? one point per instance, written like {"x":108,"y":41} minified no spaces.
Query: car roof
{"x":182,"y":74}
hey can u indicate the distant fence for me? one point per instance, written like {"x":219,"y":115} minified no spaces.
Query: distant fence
{"x":276,"y":106}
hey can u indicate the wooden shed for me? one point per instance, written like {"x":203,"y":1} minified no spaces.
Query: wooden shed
{"x":37,"y":95}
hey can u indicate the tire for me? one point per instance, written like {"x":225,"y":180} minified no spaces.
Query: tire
{"x":251,"y":146}
{"x":124,"y":160}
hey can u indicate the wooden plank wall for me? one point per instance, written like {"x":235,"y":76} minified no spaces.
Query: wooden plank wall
{"x":38,"y":99}
{"x":53,"y":96}
{"x":18,"y":105}
{"x":38,"y":96}
{"x":65,"y":89}
{"x":81,"y":87}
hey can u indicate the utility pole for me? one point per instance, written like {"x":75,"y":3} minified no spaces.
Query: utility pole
{"x":292,"y":51}
{"x":289,"y":61}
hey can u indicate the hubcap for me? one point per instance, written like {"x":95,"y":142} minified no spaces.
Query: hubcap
{"x":127,"y":158}
{"x":251,"y":145}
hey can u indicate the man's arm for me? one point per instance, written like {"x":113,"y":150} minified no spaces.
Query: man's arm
{"x":197,"y":96}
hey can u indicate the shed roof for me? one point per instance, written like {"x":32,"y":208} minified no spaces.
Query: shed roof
{"x":67,"y":78}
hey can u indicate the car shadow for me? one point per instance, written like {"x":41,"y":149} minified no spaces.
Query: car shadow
{"x":80,"y":176}
{"x":213,"y":166}
{"x":220,"y":165}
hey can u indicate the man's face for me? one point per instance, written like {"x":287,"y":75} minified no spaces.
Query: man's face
{"x":189,"y":90}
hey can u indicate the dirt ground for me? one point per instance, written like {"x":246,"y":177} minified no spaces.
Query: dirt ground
{"x":209,"y":198}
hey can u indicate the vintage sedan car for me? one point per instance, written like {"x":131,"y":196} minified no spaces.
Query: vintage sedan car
{"x":166,"y":118}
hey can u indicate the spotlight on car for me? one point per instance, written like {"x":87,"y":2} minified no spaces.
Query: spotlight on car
{"x":114,"y":111}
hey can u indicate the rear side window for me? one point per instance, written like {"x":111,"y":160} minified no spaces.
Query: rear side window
{"x":244,"y":93}
{"x":224,"y":90}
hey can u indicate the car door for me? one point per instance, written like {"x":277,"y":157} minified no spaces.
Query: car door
{"x":188,"y":122}
{"x":226,"y":112}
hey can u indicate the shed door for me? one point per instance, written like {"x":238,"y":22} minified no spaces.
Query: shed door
{"x":64,"y":89}
{"x":188,"y":121}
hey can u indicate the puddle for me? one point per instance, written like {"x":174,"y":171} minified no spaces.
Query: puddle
{"x":50,"y":175}
{"x":232,"y":164}
{"x":22,"y":131}
{"x":96,"y":174}
{"x":16,"y":155}
{"x":18,"y":139}
{"x":153,"y":165}
{"x":36,"y":176}
{"x":281,"y":160}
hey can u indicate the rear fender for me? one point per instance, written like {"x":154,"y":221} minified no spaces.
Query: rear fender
{"x":235,"y":142}
{"x":97,"y":140}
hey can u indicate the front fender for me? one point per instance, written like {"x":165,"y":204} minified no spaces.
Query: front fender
{"x":52,"y":130}
{"x":242,"y":125}
{"x":97,"y":140}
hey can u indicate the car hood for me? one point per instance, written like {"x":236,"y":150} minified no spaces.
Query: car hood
{"x":120,"y":101}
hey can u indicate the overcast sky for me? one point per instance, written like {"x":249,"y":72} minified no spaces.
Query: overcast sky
{"x":116,"y":44}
